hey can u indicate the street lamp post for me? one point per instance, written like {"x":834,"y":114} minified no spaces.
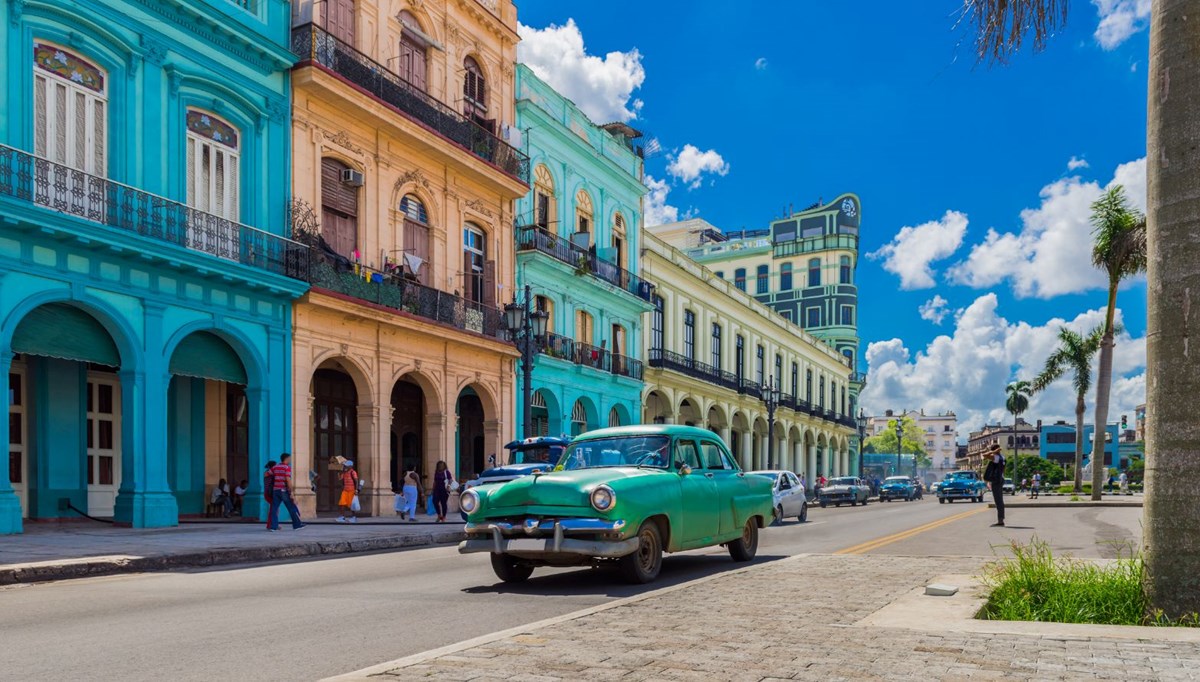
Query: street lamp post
{"x":899,"y":444}
{"x":862,"y":434}
{"x":771,"y":398}
{"x":527,"y":327}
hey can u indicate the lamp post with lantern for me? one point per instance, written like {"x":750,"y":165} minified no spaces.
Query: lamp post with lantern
{"x":771,"y":396}
{"x":526,"y":326}
{"x":899,"y":445}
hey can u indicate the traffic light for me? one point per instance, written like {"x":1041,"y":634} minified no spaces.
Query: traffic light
{"x":1124,"y":422}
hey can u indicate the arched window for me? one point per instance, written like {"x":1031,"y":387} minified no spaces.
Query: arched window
{"x":70,"y":110}
{"x":618,"y":239}
{"x":814,"y":272}
{"x":785,"y":277}
{"x":339,"y":207}
{"x":212,"y":165}
{"x":416,"y":237}
{"x":844,"y":270}
{"x":479,"y":273}
{"x":414,"y":46}
{"x":614,"y":417}
{"x":578,"y":418}
{"x":763,"y":280}
{"x":583,"y":218}
{"x":544,"y":205}
{"x":474,"y":90}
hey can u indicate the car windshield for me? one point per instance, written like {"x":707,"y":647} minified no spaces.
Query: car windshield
{"x":897,"y":479}
{"x":964,"y":475}
{"x":842,"y":481}
{"x":650,"y":451}
{"x":542,"y":454}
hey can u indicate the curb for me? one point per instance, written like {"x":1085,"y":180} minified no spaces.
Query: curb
{"x":102,"y":566}
{"x":1063,"y":505}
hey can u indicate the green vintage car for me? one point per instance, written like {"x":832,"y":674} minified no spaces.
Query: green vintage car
{"x":624,"y":494}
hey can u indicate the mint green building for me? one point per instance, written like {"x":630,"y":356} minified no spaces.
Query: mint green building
{"x":578,"y":250}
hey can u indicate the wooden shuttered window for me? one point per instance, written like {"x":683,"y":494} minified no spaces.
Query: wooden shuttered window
{"x":339,"y":208}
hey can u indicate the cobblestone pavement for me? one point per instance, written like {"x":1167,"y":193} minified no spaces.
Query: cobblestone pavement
{"x":795,"y":619}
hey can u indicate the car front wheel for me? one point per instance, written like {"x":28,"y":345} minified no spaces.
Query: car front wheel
{"x":644,"y":564}
{"x":509,"y":569}
{"x":778,"y":516}
{"x":745,"y":547}
{"x":824,"y":504}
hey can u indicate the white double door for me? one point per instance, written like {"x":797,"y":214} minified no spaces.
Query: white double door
{"x":103,"y":443}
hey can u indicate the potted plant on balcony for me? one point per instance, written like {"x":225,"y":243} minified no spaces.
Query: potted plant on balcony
{"x":583,"y":266}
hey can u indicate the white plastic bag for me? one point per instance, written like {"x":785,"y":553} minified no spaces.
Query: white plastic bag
{"x":354,"y":505}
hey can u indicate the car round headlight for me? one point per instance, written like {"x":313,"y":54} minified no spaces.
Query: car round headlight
{"x":469,"y":501}
{"x":603,"y":498}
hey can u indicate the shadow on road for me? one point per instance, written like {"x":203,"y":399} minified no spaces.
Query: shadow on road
{"x":607,"y":580}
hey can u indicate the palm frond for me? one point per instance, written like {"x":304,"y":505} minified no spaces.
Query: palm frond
{"x":1001,"y":26}
{"x":1119,"y":235}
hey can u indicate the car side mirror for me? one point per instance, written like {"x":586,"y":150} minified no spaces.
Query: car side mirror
{"x":685,"y":470}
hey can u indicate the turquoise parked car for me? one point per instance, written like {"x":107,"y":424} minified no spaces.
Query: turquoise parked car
{"x":623,"y":495}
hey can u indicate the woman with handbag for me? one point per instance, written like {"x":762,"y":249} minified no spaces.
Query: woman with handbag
{"x":443,"y":483}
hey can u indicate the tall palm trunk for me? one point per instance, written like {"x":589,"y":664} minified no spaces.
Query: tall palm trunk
{"x":1103,"y":386}
{"x":1171,"y":517}
{"x":1080,"y":408}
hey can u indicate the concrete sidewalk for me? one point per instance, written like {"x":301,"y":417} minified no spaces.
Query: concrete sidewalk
{"x":76,"y":550}
{"x":808,"y":617}
{"x":1064,"y":500}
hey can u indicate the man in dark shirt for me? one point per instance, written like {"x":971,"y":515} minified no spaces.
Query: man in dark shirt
{"x":282,"y":494}
{"x":994,"y":474}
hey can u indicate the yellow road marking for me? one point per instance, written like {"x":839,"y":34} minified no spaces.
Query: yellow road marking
{"x":870,"y":545}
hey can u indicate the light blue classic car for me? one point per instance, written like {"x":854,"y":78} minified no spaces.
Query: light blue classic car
{"x":961,"y":485}
{"x":897,"y":488}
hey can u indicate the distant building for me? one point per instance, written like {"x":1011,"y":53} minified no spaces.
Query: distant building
{"x":1058,"y":444}
{"x":1020,"y":439}
{"x":1139,"y":421}
{"x":941,"y":437}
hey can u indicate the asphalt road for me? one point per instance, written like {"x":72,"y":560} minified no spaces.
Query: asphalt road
{"x":311,"y":619}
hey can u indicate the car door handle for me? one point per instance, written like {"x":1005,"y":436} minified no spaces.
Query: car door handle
{"x":708,"y":475}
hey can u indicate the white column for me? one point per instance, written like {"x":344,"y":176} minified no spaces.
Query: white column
{"x":747,"y":451}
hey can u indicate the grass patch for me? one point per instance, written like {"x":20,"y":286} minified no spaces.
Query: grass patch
{"x":1033,"y":585}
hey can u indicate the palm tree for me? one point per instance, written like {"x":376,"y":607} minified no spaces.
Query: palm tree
{"x":1017,"y":403}
{"x":1120,"y":250}
{"x":1074,"y":354}
{"x":1171,"y":517}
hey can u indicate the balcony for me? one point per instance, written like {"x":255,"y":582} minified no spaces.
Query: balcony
{"x":697,"y":370}
{"x":587,"y":355}
{"x":812,"y":244}
{"x":535,"y":238}
{"x":128,"y":210}
{"x":313,"y":45}
{"x":408,"y":296}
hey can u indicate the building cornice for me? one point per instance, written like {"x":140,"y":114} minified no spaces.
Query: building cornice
{"x":251,"y":48}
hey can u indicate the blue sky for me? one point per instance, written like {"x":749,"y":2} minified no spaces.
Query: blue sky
{"x":791,"y":101}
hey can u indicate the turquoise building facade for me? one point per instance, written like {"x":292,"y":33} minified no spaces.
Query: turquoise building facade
{"x":145,"y":282}
{"x":578,"y":249}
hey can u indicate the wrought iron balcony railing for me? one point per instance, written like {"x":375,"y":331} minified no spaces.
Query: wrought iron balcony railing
{"x":56,"y":187}
{"x":750,"y":388}
{"x":697,"y":370}
{"x":587,"y":355}
{"x":314,"y":45}
{"x":820,"y":243}
{"x":406,"y":295}
{"x":536,"y":238}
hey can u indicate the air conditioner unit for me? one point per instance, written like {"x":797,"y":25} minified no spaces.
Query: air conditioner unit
{"x":352,"y":177}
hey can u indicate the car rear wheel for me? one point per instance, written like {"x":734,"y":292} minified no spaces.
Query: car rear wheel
{"x":824,"y":504}
{"x":853,"y":503}
{"x":865,"y":500}
{"x":803,"y":518}
{"x":941,"y":500}
{"x":745,"y":547}
{"x":645,"y":563}
{"x":510,"y":570}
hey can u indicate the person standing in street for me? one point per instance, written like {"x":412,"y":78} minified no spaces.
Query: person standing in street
{"x":442,"y":482}
{"x":994,"y":474}
{"x":269,"y":487}
{"x":410,"y":491}
{"x":349,"y":492}
{"x":1124,"y":481}
{"x":281,"y":475}
{"x":1037,"y":484}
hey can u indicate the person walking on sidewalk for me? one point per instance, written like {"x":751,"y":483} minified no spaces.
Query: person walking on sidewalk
{"x":994,"y":474}
{"x":269,"y":486}
{"x":443,"y":480}
{"x":281,"y":475}
{"x":350,"y":486}
{"x":1037,"y":484}
{"x":409,"y":491}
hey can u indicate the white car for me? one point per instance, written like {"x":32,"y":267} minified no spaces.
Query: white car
{"x":1009,"y":488}
{"x":789,"y":495}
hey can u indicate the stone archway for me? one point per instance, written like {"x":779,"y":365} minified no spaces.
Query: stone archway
{"x":689,"y":413}
{"x":546,"y":413}
{"x":658,"y":408}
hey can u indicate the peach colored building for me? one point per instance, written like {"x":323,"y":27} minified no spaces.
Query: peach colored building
{"x":404,"y":183}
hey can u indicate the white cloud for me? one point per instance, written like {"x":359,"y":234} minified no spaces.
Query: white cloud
{"x":600,"y":87}
{"x":1075,"y":163}
{"x":966,"y":370}
{"x":1119,"y":20}
{"x":912,"y":251}
{"x":935,"y":309}
{"x":1044,"y":259}
{"x":691,"y":164}
{"x":760,"y":63}
{"x":658,"y":211}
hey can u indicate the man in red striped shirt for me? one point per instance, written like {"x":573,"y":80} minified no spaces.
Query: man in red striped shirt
{"x":282,"y":494}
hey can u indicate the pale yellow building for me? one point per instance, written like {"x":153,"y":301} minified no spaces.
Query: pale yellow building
{"x":405,"y":183}
{"x":712,"y":350}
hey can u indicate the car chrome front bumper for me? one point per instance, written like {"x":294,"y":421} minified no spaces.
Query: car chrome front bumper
{"x":546,"y":536}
